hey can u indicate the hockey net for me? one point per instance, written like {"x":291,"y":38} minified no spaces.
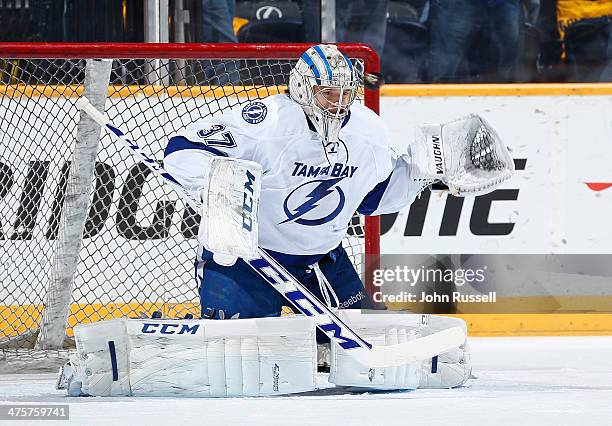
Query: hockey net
{"x":86,"y":233}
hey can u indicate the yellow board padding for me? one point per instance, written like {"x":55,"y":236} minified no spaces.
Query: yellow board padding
{"x":530,"y":89}
{"x":544,"y":304}
{"x":483,"y":325}
{"x":75,"y":91}
{"x":388,"y":90}
{"x":567,"y":316}
{"x":522,"y":305}
{"x":16,"y":320}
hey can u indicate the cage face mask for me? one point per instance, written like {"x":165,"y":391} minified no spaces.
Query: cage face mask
{"x":325,"y":83}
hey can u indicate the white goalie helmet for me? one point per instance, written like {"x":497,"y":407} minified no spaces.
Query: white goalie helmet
{"x":325,"y":83}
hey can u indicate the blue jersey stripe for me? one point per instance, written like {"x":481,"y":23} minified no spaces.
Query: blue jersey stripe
{"x":312,"y":66}
{"x":371,"y":201}
{"x":322,"y":55}
{"x":178,"y":143}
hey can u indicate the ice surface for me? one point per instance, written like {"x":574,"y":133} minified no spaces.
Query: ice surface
{"x":527,"y":380}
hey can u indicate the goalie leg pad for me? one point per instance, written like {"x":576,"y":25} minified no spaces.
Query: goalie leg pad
{"x":451,"y":369}
{"x":447,"y":370}
{"x":197,"y":358}
{"x":103,"y":358}
{"x":379,"y":329}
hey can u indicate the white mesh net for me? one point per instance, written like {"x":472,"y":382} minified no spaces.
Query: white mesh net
{"x":138,"y":245}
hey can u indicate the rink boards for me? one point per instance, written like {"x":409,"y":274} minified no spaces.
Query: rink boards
{"x":552,"y":217}
{"x":560,"y":137}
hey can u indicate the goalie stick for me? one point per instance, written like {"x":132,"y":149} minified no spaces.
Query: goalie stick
{"x":296,"y":293}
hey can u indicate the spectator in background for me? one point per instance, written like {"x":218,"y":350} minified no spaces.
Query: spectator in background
{"x":475,"y":40}
{"x":406,"y":41}
{"x":218,"y":27}
{"x":606,"y":75}
{"x":547,"y":46}
{"x":362,"y":21}
{"x":585,"y":30}
{"x":218,"y":21}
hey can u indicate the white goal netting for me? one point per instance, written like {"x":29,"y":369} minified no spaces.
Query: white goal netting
{"x":135,"y":253}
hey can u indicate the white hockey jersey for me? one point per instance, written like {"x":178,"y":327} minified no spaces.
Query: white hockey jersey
{"x":309,"y":192}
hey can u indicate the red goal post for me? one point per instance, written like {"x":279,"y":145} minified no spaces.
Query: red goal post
{"x":152,"y":89}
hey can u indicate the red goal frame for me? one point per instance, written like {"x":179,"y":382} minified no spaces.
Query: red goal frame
{"x":219,"y":51}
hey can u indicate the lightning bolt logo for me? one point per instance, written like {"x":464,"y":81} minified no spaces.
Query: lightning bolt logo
{"x":320,"y":191}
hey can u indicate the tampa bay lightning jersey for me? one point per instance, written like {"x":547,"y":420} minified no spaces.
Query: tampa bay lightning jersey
{"x":309,"y":191}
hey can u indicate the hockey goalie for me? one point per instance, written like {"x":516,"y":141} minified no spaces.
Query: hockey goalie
{"x":286,"y":174}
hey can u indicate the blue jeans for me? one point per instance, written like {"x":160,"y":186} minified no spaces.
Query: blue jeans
{"x":481,"y":35}
{"x":218,"y":27}
{"x":238,"y":289}
{"x":606,"y":75}
{"x":218,"y":21}
{"x":588,"y":49}
{"x":362,"y":21}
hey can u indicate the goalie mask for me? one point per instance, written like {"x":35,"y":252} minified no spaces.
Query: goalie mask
{"x":325,"y":83}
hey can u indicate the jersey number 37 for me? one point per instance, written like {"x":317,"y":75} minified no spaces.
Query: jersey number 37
{"x":212,"y":137}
